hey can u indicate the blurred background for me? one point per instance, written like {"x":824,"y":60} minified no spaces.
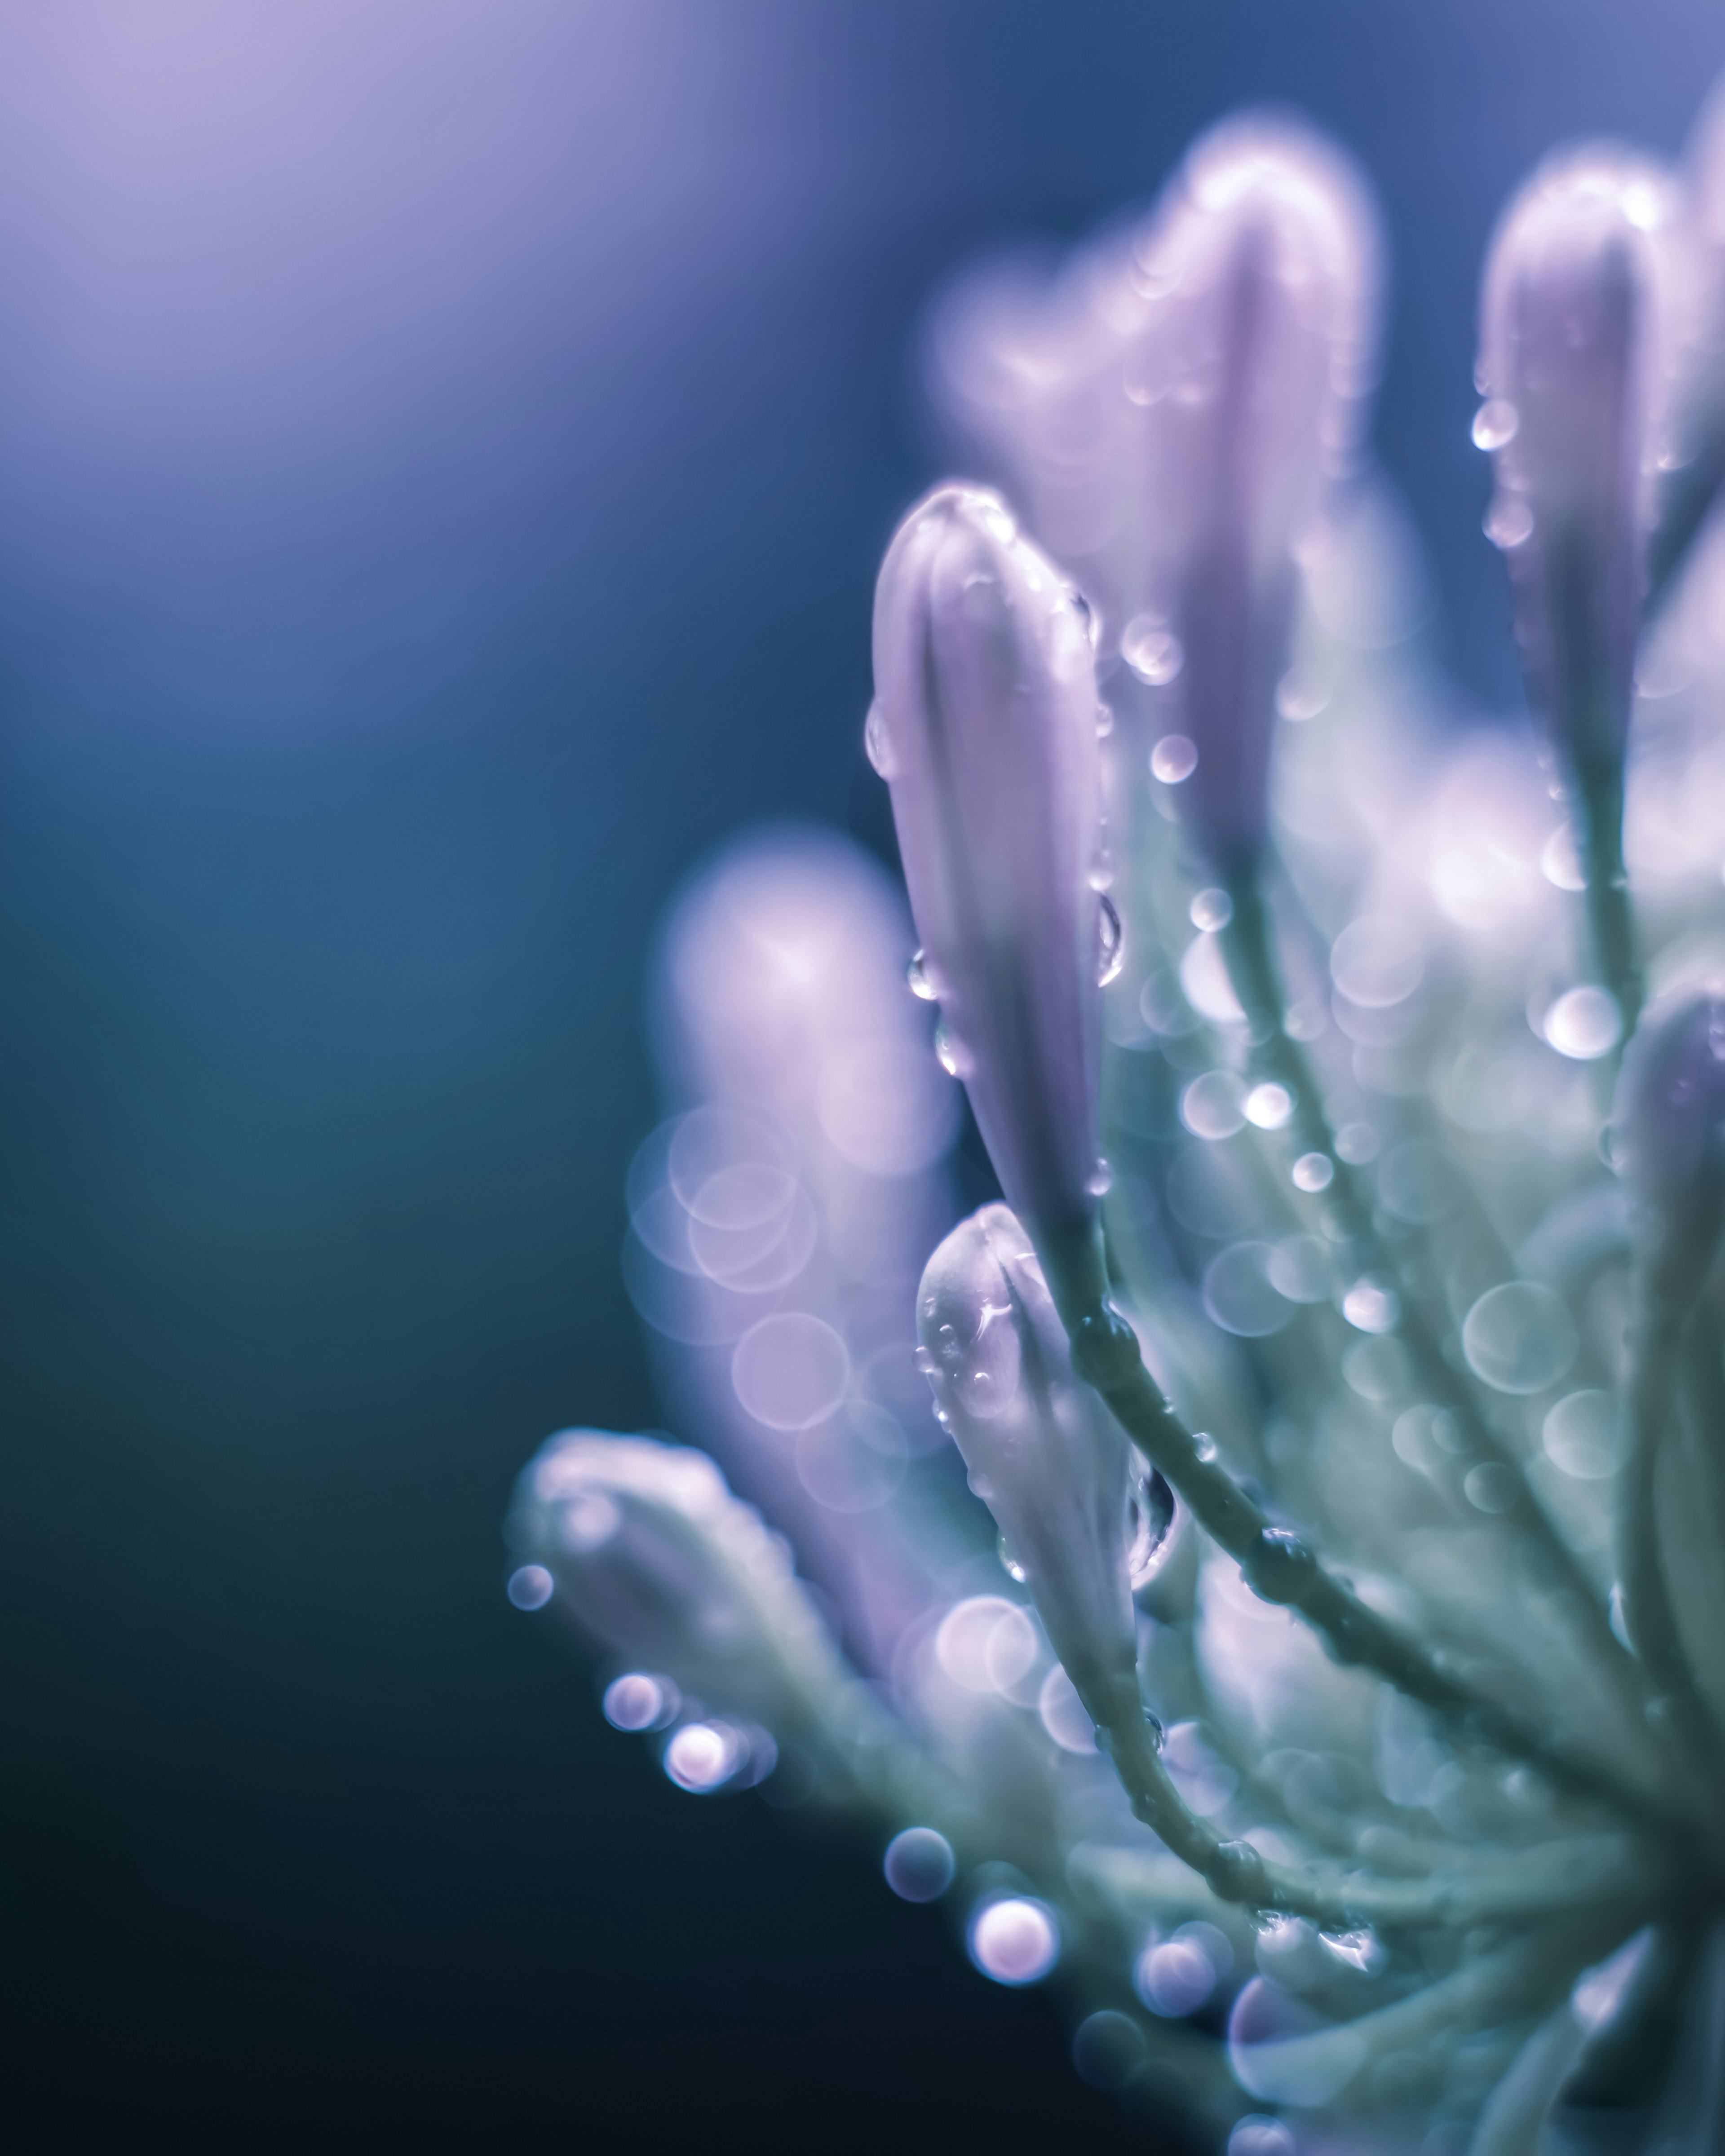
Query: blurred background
{"x":445,"y":447}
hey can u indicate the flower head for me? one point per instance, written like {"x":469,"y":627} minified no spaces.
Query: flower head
{"x":1575,"y":323}
{"x":985,"y":725}
{"x":655,"y":1558}
{"x":1254,"y":359}
{"x":1080,"y":1511}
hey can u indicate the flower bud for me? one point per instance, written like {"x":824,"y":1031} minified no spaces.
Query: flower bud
{"x":1255,"y":359}
{"x":1080,"y":1512}
{"x":1668,"y":1137}
{"x":1692,"y":461}
{"x":985,"y":725}
{"x":653,"y":1557}
{"x":1574,"y":318}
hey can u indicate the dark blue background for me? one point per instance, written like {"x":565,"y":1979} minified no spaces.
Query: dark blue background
{"x":444,"y":448}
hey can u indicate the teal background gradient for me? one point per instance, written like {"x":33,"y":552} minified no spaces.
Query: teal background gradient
{"x":444,"y":449}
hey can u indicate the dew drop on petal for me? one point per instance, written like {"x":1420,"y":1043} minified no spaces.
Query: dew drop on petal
{"x":1110,"y":943}
{"x":1086,"y":614}
{"x":876,"y":746}
{"x":1361,"y":1948}
{"x":1584,"y":1023}
{"x":1173,"y":759}
{"x":1101,"y":1180}
{"x":920,"y":979}
{"x":948,"y":1053}
{"x":1153,"y":654}
{"x":1494,"y":423}
{"x":1203,"y":1445}
{"x":1509,"y":521}
{"x":919,"y":1864}
{"x":1559,"y":863}
{"x":1104,"y":722}
{"x":1518,"y":1338}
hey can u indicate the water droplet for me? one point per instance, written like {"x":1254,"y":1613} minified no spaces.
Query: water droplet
{"x":1203,"y":1445}
{"x":1101,"y":1180}
{"x":1153,"y":654}
{"x":1356,"y":1143}
{"x":1150,"y":1515}
{"x":637,"y":1701}
{"x":531,"y":1587}
{"x":1377,"y":961}
{"x":876,"y":746}
{"x":1015,"y":1940}
{"x":1104,"y":722}
{"x":947,"y":1050}
{"x":1101,"y":870}
{"x":1586,"y":1436}
{"x":1240,"y":1295}
{"x":1211,"y":908}
{"x":1213,"y":1106}
{"x":1490,"y":1487}
{"x":926,"y":1362}
{"x":1172,"y":759}
{"x":1560,"y":863}
{"x":1494,"y":423}
{"x":1313,"y":1171}
{"x":921,"y":980}
{"x":1009,"y":1564}
{"x":1300,"y":696}
{"x":1518,"y":1338}
{"x":1269,"y":1107}
{"x":1371,"y":1306}
{"x":1110,"y":941}
{"x":1585,"y":1025}
{"x":919,"y":1864}
{"x":703,"y":1756}
{"x":1086,"y":614}
{"x":1509,"y":521}
{"x":1361,"y":1949}
{"x":1063,"y":1715}
{"x":1178,"y":1976}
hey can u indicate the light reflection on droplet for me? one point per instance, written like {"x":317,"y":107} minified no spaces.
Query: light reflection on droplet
{"x":1509,"y":521}
{"x":1211,"y":908}
{"x":1371,"y":1306}
{"x":1494,"y":423}
{"x":702,"y":1756}
{"x":1559,"y":862}
{"x":949,"y":1055}
{"x":790,"y":1371}
{"x":1173,"y":759}
{"x":1586,"y":1435}
{"x":1213,"y":1106}
{"x":1490,"y":1487}
{"x":1313,"y":1171}
{"x":1177,"y":1976}
{"x":919,"y":1864}
{"x":876,"y":744}
{"x":1107,"y":2048}
{"x":1015,"y":1940}
{"x":964,"y":1645}
{"x":1300,"y":696}
{"x":1518,"y":1338}
{"x":531,"y":1587}
{"x":1259,"y":2134}
{"x":1584,"y":1023}
{"x":636,"y":1701}
{"x":1100,"y":1181}
{"x":1302,"y":1268}
{"x":920,"y":979}
{"x":1110,"y":941}
{"x":1240,"y":1292}
{"x":1377,"y":961}
{"x":1205,"y":982}
{"x":1153,"y":654}
{"x":1269,"y":1107}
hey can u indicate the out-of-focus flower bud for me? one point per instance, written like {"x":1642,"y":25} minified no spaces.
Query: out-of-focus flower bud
{"x":1083,"y":1515}
{"x":1691,"y":463}
{"x":1255,"y":359}
{"x":655,"y":1558}
{"x":1668,"y":1137}
{"x":1575,"y":339}
{"x":985,"y":725}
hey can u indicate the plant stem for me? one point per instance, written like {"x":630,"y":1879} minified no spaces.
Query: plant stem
{"x":1252,"y":969}
{"x":1653,"y":1622}
{"x":1281,"y":1569}
{"x":1598,"y":785}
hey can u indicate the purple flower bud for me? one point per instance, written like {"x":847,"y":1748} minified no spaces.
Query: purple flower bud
{"x":1080,"y":1511}
{"x":1668,"y":1131}
{"x":985,"y":726}
{"x":655,"y":1558}
{"x":1574,"y":332}
{"x":1255,"y":359}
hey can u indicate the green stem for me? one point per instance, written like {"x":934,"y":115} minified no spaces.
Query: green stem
{"x":1652,"y":1620}
{"x":1599,"y":784}
{"x":1252,"y":969}
{"x":1281,"y":1569}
